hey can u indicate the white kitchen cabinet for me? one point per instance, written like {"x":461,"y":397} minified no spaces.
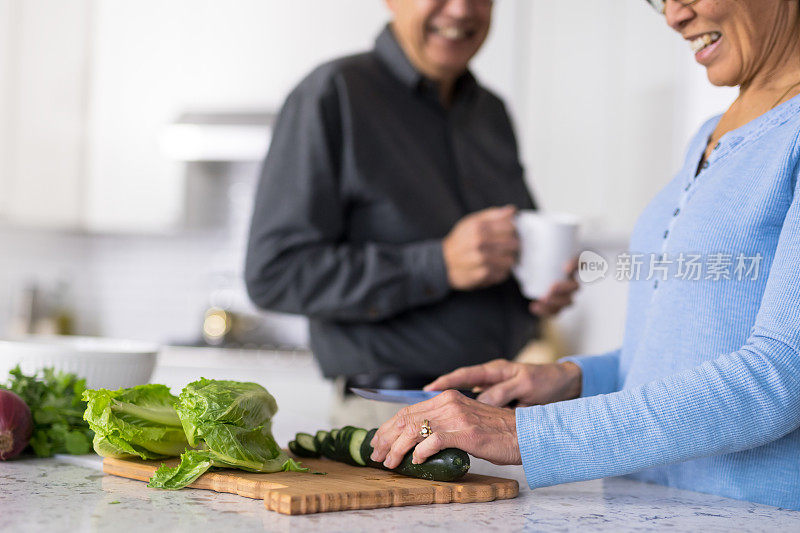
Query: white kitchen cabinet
{"x":58,"y":170}
{"x":43,"y":84}
{"x":87,"y":88}
{"x":153,"y":61}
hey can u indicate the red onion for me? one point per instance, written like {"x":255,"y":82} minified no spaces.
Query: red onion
{"x":16,"y":424}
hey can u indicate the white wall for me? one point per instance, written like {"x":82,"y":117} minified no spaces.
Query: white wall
{"x":611,"y":98}
{"x":497,"y":63}
{"x":5,"y":59}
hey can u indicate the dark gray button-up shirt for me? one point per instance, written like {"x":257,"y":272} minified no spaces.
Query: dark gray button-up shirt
{"x":366,"y":173}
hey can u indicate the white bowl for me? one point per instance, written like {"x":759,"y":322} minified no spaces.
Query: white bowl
{"x":105,"y":363}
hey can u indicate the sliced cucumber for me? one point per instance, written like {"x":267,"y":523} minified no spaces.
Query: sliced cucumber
{"x":298,"y":450}
{"x":342,"y":444}
{"x":319,"y":437}
{"x":327,"y":448}
{"x":356,"y":440}
{"x":307,"y":442}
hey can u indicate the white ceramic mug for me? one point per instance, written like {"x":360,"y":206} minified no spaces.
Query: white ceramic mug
{"x":547,"y":242}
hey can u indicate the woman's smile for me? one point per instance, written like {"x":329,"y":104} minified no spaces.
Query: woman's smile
{"x":739,"y":42}
{"x":704,"y":46}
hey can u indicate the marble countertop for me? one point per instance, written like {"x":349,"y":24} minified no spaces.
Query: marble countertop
{"x":72,"y":494}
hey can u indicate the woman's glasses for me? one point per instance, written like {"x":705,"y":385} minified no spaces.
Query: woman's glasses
{"x":661,"y":5}
{"x":476,"y":3}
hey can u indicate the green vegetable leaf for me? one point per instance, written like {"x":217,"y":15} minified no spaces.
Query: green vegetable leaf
{"x":110,"y":446}
{"x":40,"y":444}
{"x":77,"y":443}
{"x":139,"y":421}
{"x":57,"y":408}
{"x":234,"y":403}
{"x":293,"y":466}
{"x":193,"y":464}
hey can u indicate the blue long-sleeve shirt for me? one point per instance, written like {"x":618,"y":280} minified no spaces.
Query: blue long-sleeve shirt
{"x":704,"y":393}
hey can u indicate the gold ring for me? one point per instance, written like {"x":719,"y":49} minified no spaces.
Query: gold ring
{"x":425,"y":429}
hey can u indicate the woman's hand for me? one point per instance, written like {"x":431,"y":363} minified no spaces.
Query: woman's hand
{"x":502,"y":381}
{"x":456,"y":422}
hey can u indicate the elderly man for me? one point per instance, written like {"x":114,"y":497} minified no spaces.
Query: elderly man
{"x":385,"y":210}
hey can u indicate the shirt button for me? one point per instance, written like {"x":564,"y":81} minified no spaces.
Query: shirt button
{"x":666,"y":234}
{"x":655,"y":284}
{"x":688,"y":186}
{"x":677,"y":210}
{"x":704,"y":165}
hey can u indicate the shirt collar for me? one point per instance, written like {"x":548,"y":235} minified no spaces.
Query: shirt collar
{"x":391,"y":53}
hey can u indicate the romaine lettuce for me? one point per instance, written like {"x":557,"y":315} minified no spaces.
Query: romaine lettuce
{"x":230,"y":424}
{"x":139,"y":421}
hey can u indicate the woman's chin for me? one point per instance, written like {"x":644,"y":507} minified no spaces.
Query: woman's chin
{"x":720,"y":78}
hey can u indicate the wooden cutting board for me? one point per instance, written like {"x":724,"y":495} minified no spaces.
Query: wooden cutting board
{"x":342,"y":488}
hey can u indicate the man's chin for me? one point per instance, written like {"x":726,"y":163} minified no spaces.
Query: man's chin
{"x":450,"y":56}
{"x":450,"y":68}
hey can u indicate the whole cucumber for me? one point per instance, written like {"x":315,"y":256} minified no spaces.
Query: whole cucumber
{"x":447,"y":465}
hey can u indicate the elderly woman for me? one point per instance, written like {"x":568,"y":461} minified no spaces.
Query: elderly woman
{"x":704,"y":393}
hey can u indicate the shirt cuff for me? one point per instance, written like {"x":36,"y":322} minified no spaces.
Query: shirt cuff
{"x":598,"y":372}
{"x":535,"y":447}
{"x":551,"y":443}
{"x":424,"y":261}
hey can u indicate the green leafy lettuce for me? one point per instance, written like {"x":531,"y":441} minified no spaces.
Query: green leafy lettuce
{"x":230,"y":423}
{"x":54,"y":399}
{"x":137,"y":422}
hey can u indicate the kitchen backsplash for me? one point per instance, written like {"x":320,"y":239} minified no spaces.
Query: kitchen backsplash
{"x":152,"y":288}
{"x":156,"y":288}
